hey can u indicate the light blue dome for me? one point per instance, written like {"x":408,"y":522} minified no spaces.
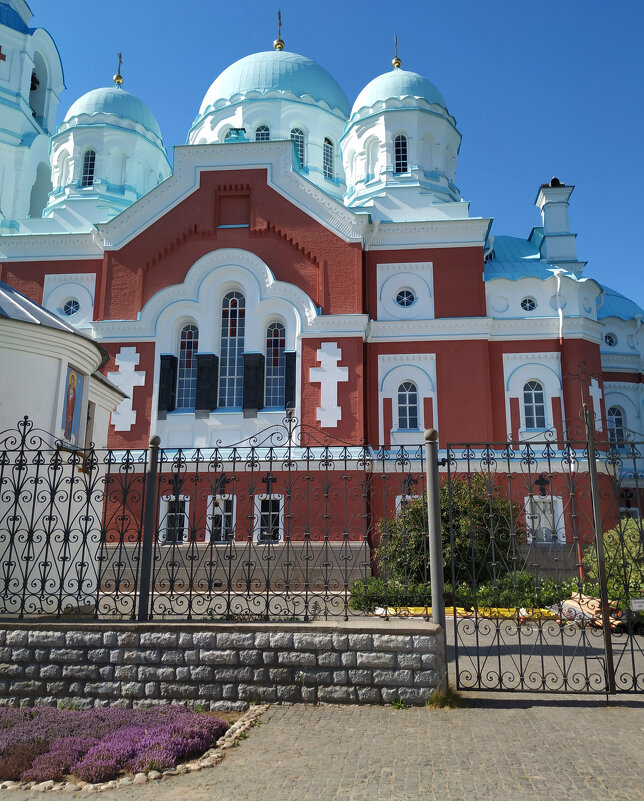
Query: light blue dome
{"x":114,"y":100}
{"x":397,"y":84}
{"x":276,"y":71}
{"x":617,"y":305}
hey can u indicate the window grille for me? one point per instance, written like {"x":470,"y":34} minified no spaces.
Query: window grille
{"x":275,"y":365}
{"x":400,"y":154}
{"x":176,"y":520}
{"x":71,"y":307}
{"x":407,"y":406}
{"x":616,"y":425}
{"x":405,"y":298}
{"x":222,"y":519}
{"x":269,"y":519}
{"x":187,"y":367}
{"x":534,"y":405}
{"x":328,"y":159}
{"x":263,"y":134}
{"x":297,"y":135}
{"x":231,"y":362}
{"x":89,"y":163}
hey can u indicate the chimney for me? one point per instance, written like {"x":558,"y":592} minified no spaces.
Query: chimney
{"x":558,"y":245}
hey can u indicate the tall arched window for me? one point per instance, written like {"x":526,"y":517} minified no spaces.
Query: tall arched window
{"x":275,"y":365}
{"x":616,"y":425}
{"x":328,"y":158}
{"x":534,"y":405}
{"x":89,"y":163}
{"x":407,"y":406}
{"x":297,"y":135}
{"x":400,"y":154}
{"x":187,"y":367}
{"x":263,"y":133}
{"x":231,"y":362}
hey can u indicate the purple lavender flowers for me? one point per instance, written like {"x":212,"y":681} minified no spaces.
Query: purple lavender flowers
{"x":97,"y":744}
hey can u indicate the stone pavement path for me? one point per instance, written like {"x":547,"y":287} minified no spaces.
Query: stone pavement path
{"x":501,"y":748}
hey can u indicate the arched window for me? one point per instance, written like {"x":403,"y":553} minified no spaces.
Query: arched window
{"x":89,"y":162}
{"x":263,"y":133}
{"x":616,"y":425}
{"x":275,"y":365}
{"x":231,"y":362}
{"x":407,"y":406}
{"x":328,"y":157}
{"x":534,"y":405}
{"x":400,"y":154}
{"x":297,"y":136}
{"x":187,"y":367}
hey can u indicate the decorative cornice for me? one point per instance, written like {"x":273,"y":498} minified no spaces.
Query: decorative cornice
{"x":469,"y":232}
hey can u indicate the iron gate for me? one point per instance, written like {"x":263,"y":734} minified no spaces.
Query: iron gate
{"x":547,"y":565}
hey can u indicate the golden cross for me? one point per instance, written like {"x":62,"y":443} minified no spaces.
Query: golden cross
{"x":279,"y":23}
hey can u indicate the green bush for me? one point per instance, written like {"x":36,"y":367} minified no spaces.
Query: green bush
{"x":624,"y":555}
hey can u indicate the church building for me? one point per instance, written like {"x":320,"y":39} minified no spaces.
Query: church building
{"x":303,"y":251}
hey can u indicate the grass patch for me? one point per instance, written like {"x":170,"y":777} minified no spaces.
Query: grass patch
{"x":446,"y":699}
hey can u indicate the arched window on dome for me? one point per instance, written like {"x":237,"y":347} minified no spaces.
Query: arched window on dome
{"x":400,"y":154}
{"x":297,"y":136}
{"x":616,"y":425}
{"x":275,"y":365}
{"x":231,"y":361}
{"x":89,"y":164}
{"x":534,"y":406}
{"x":328,"y":159}
{"x":187,"y":367}
{"x":263,"y":133}
{"x":407,"y":406}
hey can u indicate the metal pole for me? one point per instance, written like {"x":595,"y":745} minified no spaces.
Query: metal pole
{"x":599,"y":545}
{"x":434,"y":528}
{"x":149,"y":517}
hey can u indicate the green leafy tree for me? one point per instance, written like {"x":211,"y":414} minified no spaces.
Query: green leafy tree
{"x":624,"y":555}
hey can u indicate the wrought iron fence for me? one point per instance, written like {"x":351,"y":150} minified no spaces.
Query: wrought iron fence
{"x":547,"y":565}
{"x":287,"y":525}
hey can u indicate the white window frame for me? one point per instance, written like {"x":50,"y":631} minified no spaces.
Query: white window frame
{"x":328,"y":159}
{"x":405,"y":161}
{"x":301,"y":151}
{"x":163,"y":516}
{"x":558,"y":518}
{"x":257,"y":518}
{"x":518,"y":370}
{"x":212,"y":500}
{"x":83,"y":183}
{"x":406,"y":499}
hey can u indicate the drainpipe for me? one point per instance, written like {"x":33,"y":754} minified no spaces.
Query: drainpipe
{"x":558,"y":273}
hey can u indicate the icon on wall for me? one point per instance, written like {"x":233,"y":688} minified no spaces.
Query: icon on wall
{"x":72,"y":406}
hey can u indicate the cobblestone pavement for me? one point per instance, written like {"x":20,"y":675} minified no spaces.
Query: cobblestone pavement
{"x":505,"y":748}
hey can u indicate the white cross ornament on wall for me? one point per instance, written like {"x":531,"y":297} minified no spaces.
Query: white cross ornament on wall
{"x":124,"y":416}
{"x":329,"y":374}
{"x":595,"y":392}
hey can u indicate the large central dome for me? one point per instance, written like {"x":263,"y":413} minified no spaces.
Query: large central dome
{"x":276,"y":72}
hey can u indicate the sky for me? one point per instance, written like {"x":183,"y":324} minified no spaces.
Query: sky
{"x":537,"y":88}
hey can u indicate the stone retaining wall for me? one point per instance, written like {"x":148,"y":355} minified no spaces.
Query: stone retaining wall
{"x":368,"y":661}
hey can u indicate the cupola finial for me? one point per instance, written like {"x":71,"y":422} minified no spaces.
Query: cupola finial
{"x":278,"y":44}
{"x":118,"y":78}
{"x":396,"y":63}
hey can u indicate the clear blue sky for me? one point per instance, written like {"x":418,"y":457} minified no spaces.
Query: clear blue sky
{"x":537,"y":89}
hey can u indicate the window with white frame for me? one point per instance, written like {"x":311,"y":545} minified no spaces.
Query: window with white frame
{"x":263,"y":133}
{"x":328,"y":158}
{"x":187,"y":367}
{"x":89,"y":164}
{"x":407,"y":406}
{"x":616,"y":425}
{"x":269,"y":518}
{"x":534,"y":406}
{"x":297,"y":136}
{"x":174,"y":519}
{"x":400,"y":154}
{"x":403,"y":501}
{"x":221,"y":519}
{"x":231,"y":361}
{"x":275,"y":365}
{"x":544,"y":520}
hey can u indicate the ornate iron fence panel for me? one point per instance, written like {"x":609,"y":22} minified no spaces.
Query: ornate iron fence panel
{"x":546,"y":560}
{"x":287,"y":525}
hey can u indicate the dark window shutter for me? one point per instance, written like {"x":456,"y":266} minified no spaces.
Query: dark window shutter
{"x":253,"y":382}
{"x":207,"y":381}
{"x":289,"y":387}
{"x":168,"y":383}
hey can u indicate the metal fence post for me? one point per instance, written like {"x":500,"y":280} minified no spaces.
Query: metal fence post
{"x":149,"y":517}
{"x":434,"y":528}
{"x":599,"y":545}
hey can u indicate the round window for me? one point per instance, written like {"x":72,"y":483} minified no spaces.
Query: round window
{"x":528,"y":304}
{"x":70,"y":307}
{"x":610,"y":340}
{"x":405,"y":298}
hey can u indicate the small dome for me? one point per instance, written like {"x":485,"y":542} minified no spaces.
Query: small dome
{"x":12,"y":19}
{"x":114,"y":100}
{"x":617,"y":305}
{"x":276,"y":71}
{"x":397,"y":84}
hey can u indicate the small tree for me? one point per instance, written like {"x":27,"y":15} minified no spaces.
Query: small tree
{"x":624,"y":555}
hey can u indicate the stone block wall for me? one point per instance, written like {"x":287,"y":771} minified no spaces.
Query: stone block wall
{"x":220,"y":665}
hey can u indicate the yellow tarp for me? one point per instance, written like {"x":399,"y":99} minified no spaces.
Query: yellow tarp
{"x":493,"y":612}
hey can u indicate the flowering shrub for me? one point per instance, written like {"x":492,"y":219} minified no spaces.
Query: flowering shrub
{"x":95,"y":745}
